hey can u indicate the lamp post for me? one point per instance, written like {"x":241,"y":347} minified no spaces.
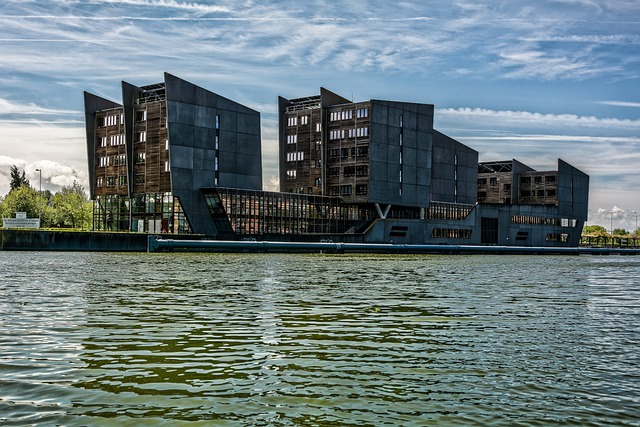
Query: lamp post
{"x":40,"y":200}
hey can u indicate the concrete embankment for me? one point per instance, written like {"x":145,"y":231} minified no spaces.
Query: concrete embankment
{"x":60,"y":240}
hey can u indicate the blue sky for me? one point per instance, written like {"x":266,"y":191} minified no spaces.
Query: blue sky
{"x":535,"y":81}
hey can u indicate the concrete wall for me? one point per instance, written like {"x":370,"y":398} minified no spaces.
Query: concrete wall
{"x":191,"y":116}
{"x":71,"y":241}
{"x":453,"y":181}
{"x":390,"y":120}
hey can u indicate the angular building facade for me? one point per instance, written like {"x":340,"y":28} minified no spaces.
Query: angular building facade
{"x":150,"y":155}
{"x":175,"y":158}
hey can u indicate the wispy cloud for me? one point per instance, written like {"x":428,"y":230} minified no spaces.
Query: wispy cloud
{"x":621,"y":103}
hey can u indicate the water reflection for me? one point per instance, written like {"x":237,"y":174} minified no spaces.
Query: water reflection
{"x":321,"y":340}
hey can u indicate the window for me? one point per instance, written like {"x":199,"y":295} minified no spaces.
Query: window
{"x":549,"y":179}
{"x":482,"y":194}
{"x":334,"y":171}
{"x":105,"y":161}
{"x":141,"y":136}
{"x":361,"y":189}
{"x":362,"y":132}
{"x":345,"y":190}
{"x":318,"y":182}
{"x":551,"y":193}
{"x":116,"y":139}
{"x":292,"y":120}
{"x":362,"y":170}
{"x":557,"y":237}
{"x":99,"y":182}
{"x":349,"y":171}
{"x":167,"y":168}
{"x":537,"y":179}
{"x":139,"y":179}
{"x":166,"y":145}
{"x":362,"y":151}
{"x":122,"y":159}
{"x":318,"y":127}
{"x":122,"y":180}
{"x":291,"y":174}
{"x":304,"y":120}
{"x":334,"y":152}
{"x":540,"y":193}
{"x":103,"y":141}
{"x":336,"y":134}
{"x":111,"y":181}
{"x":141,"y":158}
{"x":141,"y":116}
{"x":295,"y":156}
{"x":493,"y":181}
{"x":525,"y":180}
{"x":344,"y":152}
{"x":482,"y":181}
{"x":292,"y":139}
{"x":217,"y":121}
{"x":362,"y":112}
{"x":506,"y":187}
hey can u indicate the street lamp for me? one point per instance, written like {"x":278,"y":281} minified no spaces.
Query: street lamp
{"x":40,"y":200}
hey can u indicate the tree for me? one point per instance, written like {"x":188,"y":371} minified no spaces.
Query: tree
{"x":597,"y":230}
{"x":72,"y":207}
{"x":17,"y":180}
{"x":21,"y":199}
{"x":620,"y":232}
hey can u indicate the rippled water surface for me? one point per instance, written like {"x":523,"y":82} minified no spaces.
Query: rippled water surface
{"x":320,"y":340}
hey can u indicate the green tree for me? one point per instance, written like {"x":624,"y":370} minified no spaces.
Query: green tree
{"x":17,"y":180}
{"x":620,"y":232}
{"x":597,"y":230}
{"x":72,"y":207}
{"x":21,"y":199}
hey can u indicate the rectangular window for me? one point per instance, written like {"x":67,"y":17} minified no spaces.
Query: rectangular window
{"x":493,"y":181}
{"x":99,"y":182}
{"x":362,"y":170}
{"x":362,"y":132}
{"x":103,"y":141}
{"x":139,"y":179}
{"x":122,"y":180}
{"x":217,"y":121}
{"x":304,"y":120}
{"x":349,"y":171}
{"x":166,"y":166}
{"x":345,"y":190}
{"x":141,"y":116}
{"x":166,"y":145}
{"x":292,"y":120}
{"x":111,"y":181}
{"x":318,"y":127}
{"x":141,"y":158}
{"x":361,"y":189}
{"x":318,"y":182}
{"x":141,"y":136}
{"x":362,"y":112}
{"x":292,"y":139}
{"x":122,"y":159}
{"x":291,"y":174}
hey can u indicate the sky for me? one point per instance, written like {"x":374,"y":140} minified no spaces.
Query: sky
{"x":516,"y":79}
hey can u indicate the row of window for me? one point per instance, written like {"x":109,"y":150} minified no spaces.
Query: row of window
{"x":345,"y":152}
{"x":348,"y":114}
{"x":295,"y":156}
{"x":111,"y":181}
{"x":451,"y":233}
{"x":548,"y":179}
{"x":293,"y":120}
{"x":360,"y":170}
{"x":353,"y":133}
{"x":537,"y":220}
{"x":347,"y":190}
{"x":111,"y":120}
{"x":539,"y":194}
{"x":105,"y":161}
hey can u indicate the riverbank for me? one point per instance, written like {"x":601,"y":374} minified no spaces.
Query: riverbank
{"x":93,"y":241}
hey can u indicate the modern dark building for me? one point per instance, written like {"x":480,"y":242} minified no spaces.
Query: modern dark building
{"x":150,"y":155}
{"x":176,"y":158}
